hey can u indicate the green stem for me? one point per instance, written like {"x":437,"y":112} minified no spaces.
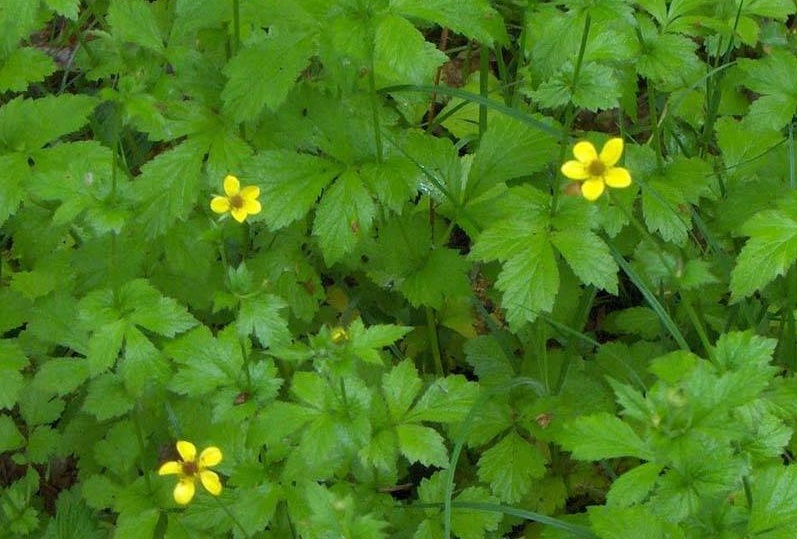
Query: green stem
{"x":431,"y":327}
{"x":484,"y":79}
{"x":581,"y":50}
{"x":654,"y":123}
{"x":140,"y":437}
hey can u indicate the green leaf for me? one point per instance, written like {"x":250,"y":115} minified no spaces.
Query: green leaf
{"x":290,"y":184}
{"x":473,"y":18}
{"x":775,"y":78}
{"x":277,"y":60}
{"x":510,"y":466}
{"x":447,"y":400}
{"x":508,"y":149}
{"x":29,"y":124}
{"x":12,"y":361}
{"x":596,"y":88}
{"x":137,"y":525}
{"x":400,"y":386}
{"x":443,"y":276}
{"x":65,"y":8}
{"x":104,"y":346}
{"x":107,"y":398}
{"x":24,"y":66}
{"x":666,"y":58}
{"x":134,"y":21}
{"x":262,"y":316}
{"x":43,"y":441}
{"x":402,"y":55}
{"x":625,"y":523}
{"x":472,"y":523}
{"x":119,"y":450}
{"x":529,"y":278}
{"x":343,"y":216}
{"x":770,"y":251}
{"x":61,"y":376}
{"x":73,"y":518}
{"x":422,"y":444}
{"x":15,"y":171}
{"x":169,"y":187}
{"x":153,"y":311}
{"x":773,"y":513}
{"x":588,"y":256}
{"x":602,"y":436}
{"x":634,"y":486}
{"x":205,"y":362}
{"x":10,"y":437}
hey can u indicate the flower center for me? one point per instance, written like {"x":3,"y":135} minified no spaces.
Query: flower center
{"x":236,"y":202}
{"x":190,"y":468}
{"x":596,"y":168}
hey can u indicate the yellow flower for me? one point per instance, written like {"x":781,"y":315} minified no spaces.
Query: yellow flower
{"x":189,"y":468}
{"x":339,"y":335}
{"x":239,"y":202}
{"x":597,"y":171}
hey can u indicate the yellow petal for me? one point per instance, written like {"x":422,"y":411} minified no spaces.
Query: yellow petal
{"x":250,"y":192}
{"x":612,"y":151}
{"x":184,"y":490}
{"x":220,"y":204}
{"x":187,"y":450}
{"x":617,"y":177}
{"x":209,"y":456}
{"x":251,"y":207}
{"x":210,"y":480}
{"x":592,"y":189}
{"x":585,"y":152}
{"x":239,"y":214}
{"x":170,"y":467}
{"x":575,"y":170}
{"x":231,"y":186}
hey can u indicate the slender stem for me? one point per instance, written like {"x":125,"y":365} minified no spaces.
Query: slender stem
{"x":431,"y":327}
{"x":140,"y":437}
{"x":654,"y":123}
{"x":581,"y":50}
{"x":484,"y":80}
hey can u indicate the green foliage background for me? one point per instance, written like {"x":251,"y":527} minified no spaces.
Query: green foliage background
{"x":516,"y":362}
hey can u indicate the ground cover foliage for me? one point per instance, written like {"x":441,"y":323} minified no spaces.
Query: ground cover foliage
{"x":318,"y":268}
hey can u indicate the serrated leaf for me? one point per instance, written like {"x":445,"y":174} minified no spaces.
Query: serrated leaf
{"x":773,"y":493}
{"x":770,"y":252}
{"x":602,"y":436}
{"x":29,"y":124}
{"x":510,"y":466}
{"x":153,"y":311}
{"x":447,"y":400}
{"x":596,"y":88}
{"x":402,"y":55}
{"x":15,"y":171}
{"x":634,"y":486}
{"x":666,"y":58}
{"x":106,"y":398}
{"x":775,"y":78}
{"x":290,"y":184}
{"x":10,"y":437}
{"x":625,"y":523}
{"x":262,"y":316}
{"x":508,"y":149}
{"x":443,"y":276}
{"x":65,"y":8}
{"x":141,"y":525}
{"x":12,"y":361}
{"x":343,"y":216}
{"x":277,"y":60}
{"x":473,"y":18}
{"x":422,"y":444}
{"x":134,"y":21}
{"x":472,"y":523}
{"x":588,"y":256}
{"x":400,"y":387}
{"x":61,"y":376}
{"x":168,"y":187}
{"x":24,"y":66}
{"x":104,"y":346}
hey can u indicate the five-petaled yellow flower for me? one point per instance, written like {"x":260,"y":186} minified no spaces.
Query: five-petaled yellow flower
{"x":597,"y":171}
{"x":239,"y":202}
{"x":189,"y":468}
